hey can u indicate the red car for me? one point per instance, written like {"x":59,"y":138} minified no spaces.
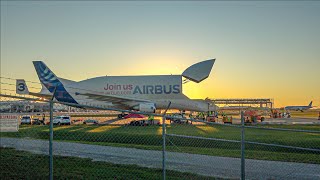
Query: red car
{"x":134,"y":116}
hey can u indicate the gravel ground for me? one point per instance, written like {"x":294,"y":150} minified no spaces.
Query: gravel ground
{"x":224,"y":167}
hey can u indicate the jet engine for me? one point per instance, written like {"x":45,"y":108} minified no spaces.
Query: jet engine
{"x":146,"y":107}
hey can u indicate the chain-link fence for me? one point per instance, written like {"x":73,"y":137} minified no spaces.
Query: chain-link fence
{"x":63,"y":140}
{"x":215,"y":150}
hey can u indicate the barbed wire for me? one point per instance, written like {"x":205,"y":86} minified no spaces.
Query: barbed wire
{"x":1,"y":77}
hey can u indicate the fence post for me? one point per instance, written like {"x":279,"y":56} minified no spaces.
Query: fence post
{"x":164,"y":141}
{"x":51,"y":136}
{"x":164,"y":147}
{"x":50,"y":142}
{"x":242,"y":148}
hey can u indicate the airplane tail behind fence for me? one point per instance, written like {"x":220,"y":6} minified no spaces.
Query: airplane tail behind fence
{"x":310,"y":105}
{"x":52,"y":82}
{"x":46,"y":76}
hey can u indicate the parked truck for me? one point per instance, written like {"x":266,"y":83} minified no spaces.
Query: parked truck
{"x":252,"y":116}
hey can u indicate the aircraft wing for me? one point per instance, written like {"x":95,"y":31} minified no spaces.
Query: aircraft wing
{"x":113,"y":99}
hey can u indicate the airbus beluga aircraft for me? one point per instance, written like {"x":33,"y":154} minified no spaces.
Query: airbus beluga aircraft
{"x":142,"y":93}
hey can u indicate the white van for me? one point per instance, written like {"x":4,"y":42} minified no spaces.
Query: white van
{"x":60,"y":120}
{"x":26,"y":119}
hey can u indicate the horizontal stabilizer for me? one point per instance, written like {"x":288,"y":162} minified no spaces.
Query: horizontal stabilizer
{"x":22,"y":88}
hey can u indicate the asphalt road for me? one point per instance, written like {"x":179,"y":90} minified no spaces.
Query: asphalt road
{"x":224,"y":167}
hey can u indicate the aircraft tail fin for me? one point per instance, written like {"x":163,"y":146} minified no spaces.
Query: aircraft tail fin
{"x":199,"y":71}
{"x":52,"y":82}
{"x":21,"y":87}
{"x":46,"y":76}
{"x":310,"y":104}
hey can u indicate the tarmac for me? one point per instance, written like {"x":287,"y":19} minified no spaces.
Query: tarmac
{"x":223,"y":167}
{"x":292,"y":120}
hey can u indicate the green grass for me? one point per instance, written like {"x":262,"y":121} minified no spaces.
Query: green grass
{"x":309,"y":113}
{"x":24,"y":165}
{"x":150,"y":138}
{"x":311,"y":127}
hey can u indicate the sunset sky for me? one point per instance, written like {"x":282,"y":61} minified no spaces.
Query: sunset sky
{"x":263,"y":49}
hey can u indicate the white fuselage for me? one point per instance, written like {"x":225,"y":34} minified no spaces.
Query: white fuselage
{"x":297,"y":108}
{"x":160,"y":90}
